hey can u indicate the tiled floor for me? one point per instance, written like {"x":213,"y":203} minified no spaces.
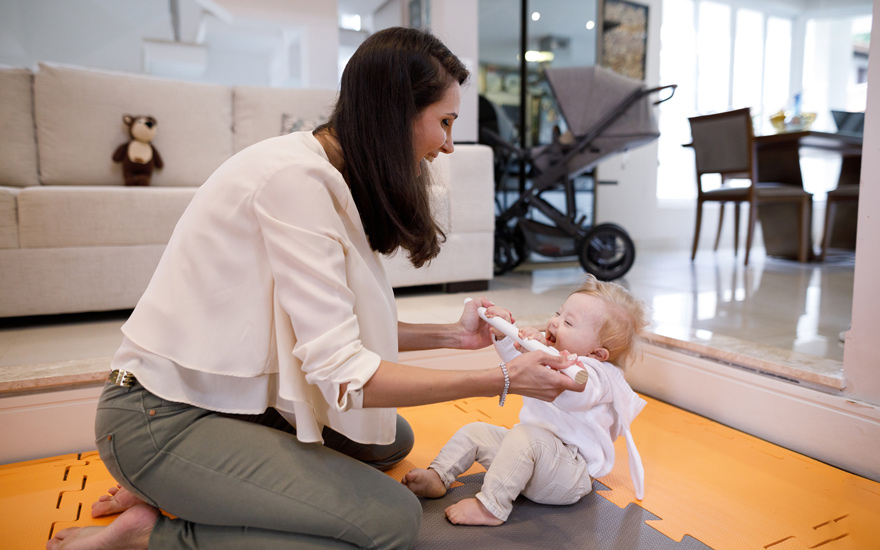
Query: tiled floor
{"x":799,"y":310}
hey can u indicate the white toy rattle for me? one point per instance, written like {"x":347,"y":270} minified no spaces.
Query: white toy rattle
{"x":574,"y":372}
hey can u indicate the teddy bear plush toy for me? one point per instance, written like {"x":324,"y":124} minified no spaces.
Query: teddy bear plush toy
{"x":138,"y":156}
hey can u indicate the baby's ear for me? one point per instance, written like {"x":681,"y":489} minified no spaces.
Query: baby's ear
{"x":601,"y":354}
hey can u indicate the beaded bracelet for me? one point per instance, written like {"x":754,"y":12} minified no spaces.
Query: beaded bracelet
{"x":506,"y":384}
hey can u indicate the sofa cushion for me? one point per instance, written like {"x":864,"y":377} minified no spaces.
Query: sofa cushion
{"x":79,"y":113}
{"x":261,"y":113}
{"x":99,"y":216}
{"x":463,"y":257}
{"x":47,"y":281}
{"x":8,"y":218}
{"x":18,"y":145}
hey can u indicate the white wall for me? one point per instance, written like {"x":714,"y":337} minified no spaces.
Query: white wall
{"x":93,"y":33}
{"x":390,"y":14}
{"x":456,"y":23}
{"x":632,"y":201}
{"x":293,"y":47}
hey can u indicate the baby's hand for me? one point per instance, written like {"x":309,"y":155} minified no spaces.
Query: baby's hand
{"x":531,"y":333}
{"x":495,"y":311}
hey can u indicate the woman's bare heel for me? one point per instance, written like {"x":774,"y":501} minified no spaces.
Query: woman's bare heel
{"x":116,"y":501}
{"x":130,"y":531}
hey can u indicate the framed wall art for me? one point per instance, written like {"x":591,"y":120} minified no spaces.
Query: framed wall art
{"x":625,"y":37}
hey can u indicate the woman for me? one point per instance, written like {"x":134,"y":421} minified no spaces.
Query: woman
{"x":256,"y":383}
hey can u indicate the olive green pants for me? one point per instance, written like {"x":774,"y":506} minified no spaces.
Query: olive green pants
{"x":246,"y":481}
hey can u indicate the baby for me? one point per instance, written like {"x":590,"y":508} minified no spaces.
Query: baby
{"x":558,"y":448}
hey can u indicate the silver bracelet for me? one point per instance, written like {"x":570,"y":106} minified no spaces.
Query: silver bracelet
{"x":506,"y":384}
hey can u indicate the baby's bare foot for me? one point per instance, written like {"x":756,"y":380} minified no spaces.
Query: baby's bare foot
{"x":471,"y":511}
{"x":119,"y":500}
{"x":424,"y":483}
{"x":130,"y":531}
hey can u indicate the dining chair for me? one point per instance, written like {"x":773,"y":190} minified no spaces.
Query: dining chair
{"x":724,"y":144}
{"x":841,"y":208}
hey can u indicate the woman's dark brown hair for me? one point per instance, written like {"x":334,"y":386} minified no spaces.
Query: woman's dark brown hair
{"x":389,"y":80}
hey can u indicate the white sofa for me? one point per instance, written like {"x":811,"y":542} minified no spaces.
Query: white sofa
{"x":74,"y":239}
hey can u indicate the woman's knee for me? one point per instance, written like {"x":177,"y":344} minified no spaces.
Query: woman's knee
{"x":403,"y":443}
{"x":399,"y":521}
{"x":381,"y":457}
{"x":410,"y":521}
{"x":386,"y":457}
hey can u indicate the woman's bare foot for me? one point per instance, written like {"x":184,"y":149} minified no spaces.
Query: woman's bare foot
{"x":471,"y":511}
{"x":130,"y":531}
{"x":424,"y":483}
{"x":118,"y":501}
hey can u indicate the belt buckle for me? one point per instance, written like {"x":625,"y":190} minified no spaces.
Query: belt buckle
{"x":122,"y":378}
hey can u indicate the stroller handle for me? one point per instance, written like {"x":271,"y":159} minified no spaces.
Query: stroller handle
{"x":670,"y":87}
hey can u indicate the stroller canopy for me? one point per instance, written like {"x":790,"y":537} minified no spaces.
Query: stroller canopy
{"x":606,"y":112}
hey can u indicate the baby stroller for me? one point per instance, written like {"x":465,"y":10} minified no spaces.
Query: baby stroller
{"x":606,"y":113}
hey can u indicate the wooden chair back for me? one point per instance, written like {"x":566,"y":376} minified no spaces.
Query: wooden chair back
{"x":724,"y":143}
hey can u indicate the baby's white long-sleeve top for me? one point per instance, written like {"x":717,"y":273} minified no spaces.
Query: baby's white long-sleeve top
{"x":590,"y":420}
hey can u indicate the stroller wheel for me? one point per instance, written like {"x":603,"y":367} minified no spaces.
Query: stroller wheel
{"x":607,"y":252}
{"x":509,"y":249}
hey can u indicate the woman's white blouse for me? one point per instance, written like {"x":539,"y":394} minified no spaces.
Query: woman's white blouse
{"x":268,"y":295}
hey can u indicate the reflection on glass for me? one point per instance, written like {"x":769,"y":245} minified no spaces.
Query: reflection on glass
{"x":561,"y":33}
{"x":560,"y":38}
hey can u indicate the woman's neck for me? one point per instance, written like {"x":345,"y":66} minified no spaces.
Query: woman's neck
{"x":327,"y":138}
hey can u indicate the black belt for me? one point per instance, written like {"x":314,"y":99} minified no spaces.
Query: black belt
{"x":122,"y":378}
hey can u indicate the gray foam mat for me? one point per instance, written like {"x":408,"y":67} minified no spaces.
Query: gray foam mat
{"x":594,"y":522}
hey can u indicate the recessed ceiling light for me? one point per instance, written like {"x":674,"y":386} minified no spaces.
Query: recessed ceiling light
{"x":535,"y":56}
{"x":536,"y":15}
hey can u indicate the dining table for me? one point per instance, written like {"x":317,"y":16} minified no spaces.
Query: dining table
{"x":779,"y":161}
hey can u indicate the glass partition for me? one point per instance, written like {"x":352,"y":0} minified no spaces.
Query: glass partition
{"x":517,"y":41}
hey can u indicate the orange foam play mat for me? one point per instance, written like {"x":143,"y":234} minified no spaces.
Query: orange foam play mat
{"x":704,"y":482}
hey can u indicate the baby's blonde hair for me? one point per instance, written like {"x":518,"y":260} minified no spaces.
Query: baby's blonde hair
{"x":623,"y":331}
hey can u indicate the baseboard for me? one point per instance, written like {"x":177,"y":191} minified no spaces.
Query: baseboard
{"x":49,"y":423}
{"x":831,"y":428}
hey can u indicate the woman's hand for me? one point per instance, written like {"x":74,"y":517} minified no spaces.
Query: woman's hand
{"x":475,"y":332}
{"x":529,"y":375}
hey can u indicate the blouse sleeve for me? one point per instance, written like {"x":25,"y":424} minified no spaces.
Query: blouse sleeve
{"x":307,"y":243}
